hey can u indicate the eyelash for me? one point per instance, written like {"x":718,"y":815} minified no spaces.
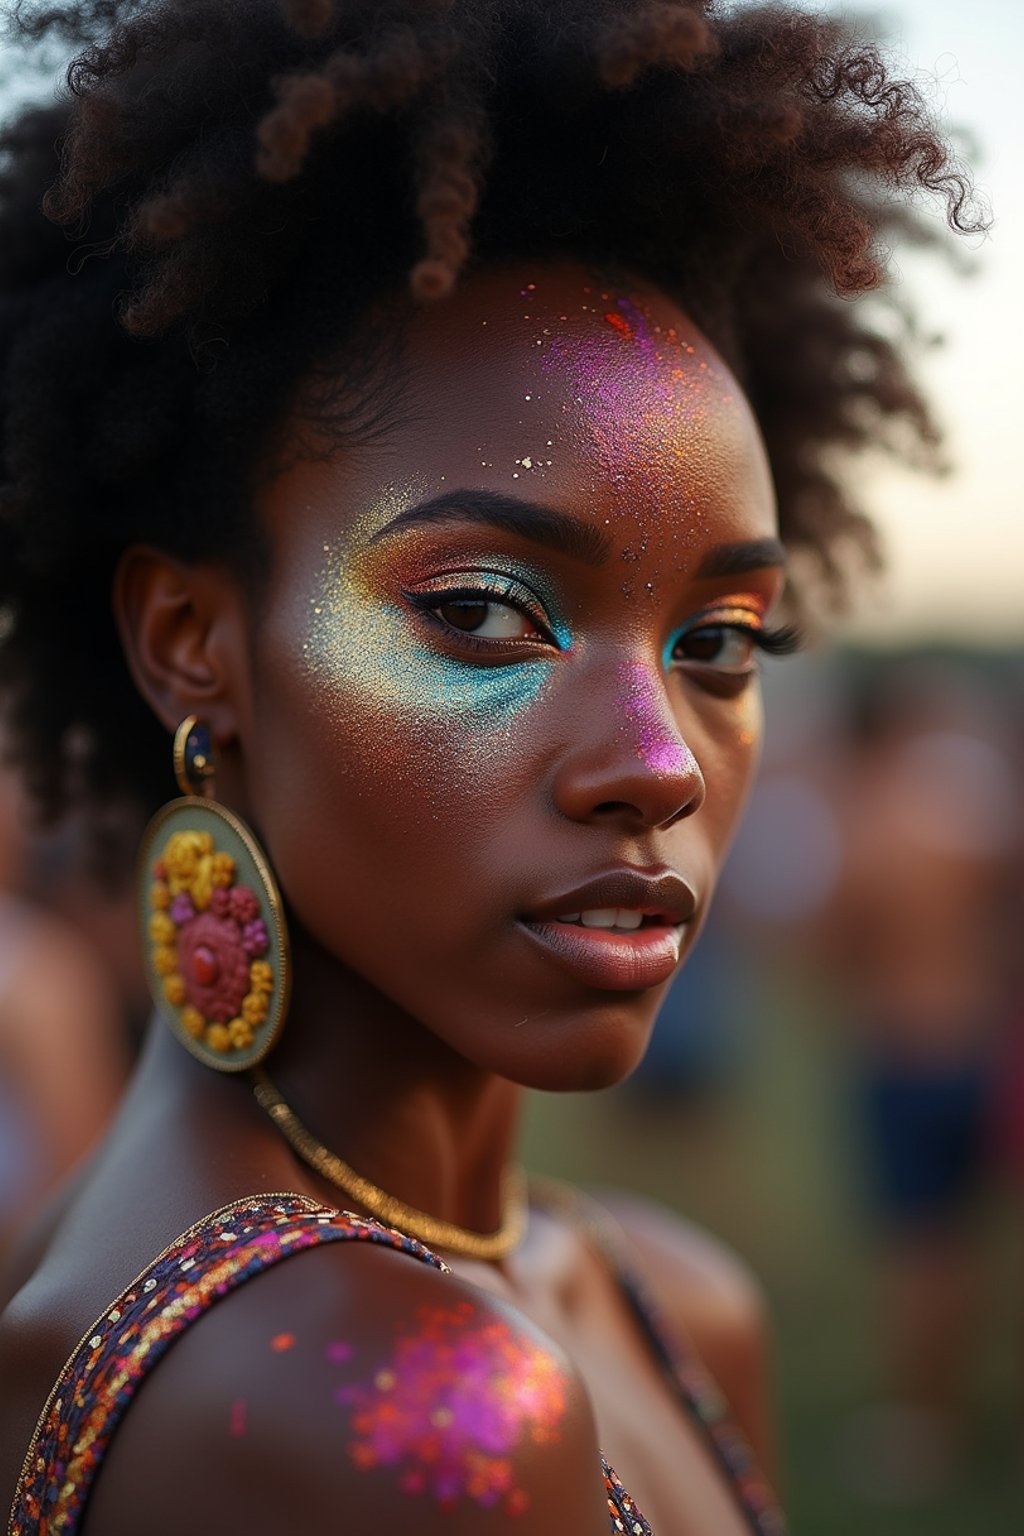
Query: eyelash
{"x":781,"y":641}
{"x":509,"y":595}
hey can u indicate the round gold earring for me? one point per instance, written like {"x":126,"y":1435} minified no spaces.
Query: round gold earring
{"x":213,"y":927}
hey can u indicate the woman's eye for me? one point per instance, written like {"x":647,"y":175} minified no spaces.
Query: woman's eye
{"x":715,"y":645}
{"x":487,"y":620}
{"x":481,"y":616}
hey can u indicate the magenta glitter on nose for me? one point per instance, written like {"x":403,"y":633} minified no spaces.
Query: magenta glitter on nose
{"x":658,"y":745}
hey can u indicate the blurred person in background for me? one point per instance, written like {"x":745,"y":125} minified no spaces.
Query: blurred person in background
{"x":697,"y":1046}
{"x":918,"y":945}
{"x":63,"y":1060}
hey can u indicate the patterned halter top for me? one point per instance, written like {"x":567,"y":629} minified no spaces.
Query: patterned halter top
{"x":223,"y":1250}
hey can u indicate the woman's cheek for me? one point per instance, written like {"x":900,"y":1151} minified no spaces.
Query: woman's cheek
{"x":748,"y":723}
{"x":442,"y":730}
{"x":730,"y":758}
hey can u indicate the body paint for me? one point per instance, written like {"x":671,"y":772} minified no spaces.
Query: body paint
{"x":629,"y":381}
{"x":458,"y":1396}
{"x":646,"y":718}
{"x":373,"y":660}
{"x":739,"y":611}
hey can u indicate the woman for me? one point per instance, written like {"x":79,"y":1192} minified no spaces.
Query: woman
{"x":382,"y":439}
{"x":63,"y":1063}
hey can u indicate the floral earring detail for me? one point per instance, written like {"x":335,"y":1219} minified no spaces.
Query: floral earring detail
{"x":213,"y":927}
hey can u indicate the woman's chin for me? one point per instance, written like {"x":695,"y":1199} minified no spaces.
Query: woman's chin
{"x":588,"y":1052}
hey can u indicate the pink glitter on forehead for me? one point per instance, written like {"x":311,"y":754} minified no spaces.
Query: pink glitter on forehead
{"x":658,"y":745}
{"x":636,"y":388}
{"x":631,"y":322}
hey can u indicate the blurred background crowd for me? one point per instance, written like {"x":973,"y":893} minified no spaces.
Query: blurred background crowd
{"x":836,"y":1084}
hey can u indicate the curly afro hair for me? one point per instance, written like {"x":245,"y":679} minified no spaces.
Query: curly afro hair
{"x":198,"y":224}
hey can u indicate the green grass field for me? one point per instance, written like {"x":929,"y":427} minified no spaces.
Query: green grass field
{"x":769,"y":1170}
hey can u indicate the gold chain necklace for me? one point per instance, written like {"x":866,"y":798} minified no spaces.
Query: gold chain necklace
{"x":429,"y":1229}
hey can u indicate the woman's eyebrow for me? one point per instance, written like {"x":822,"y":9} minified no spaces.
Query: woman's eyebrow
{"x":738,"y":559}
{"x":529,"y":519}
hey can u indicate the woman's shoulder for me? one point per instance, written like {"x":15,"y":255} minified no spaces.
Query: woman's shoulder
{"x":695,"y":1266}
{"x":353,"y":1385}
{"x":710,"y":1297}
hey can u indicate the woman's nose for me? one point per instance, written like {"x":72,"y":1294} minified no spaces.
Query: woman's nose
{"x":630,"y":762}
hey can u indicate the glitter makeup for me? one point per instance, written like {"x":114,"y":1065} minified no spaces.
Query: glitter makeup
{"x":740,"y":615}
{"x":448,"y":1410}
{"x":456,"y":678}
{"x":100,"y":1379}
{"x":644,"y":711}
{"x":376,"y":648}
{"x":639,"y":391}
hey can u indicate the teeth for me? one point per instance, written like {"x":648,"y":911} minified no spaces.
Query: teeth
{"x":600,"y":917}
{"x":619,"y":918}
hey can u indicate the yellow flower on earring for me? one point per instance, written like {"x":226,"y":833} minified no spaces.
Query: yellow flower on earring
{"x":182,"y":857}
{"x":201,"y":887}
{"x":255,"y":1008}
{"x":222,"y":871}
{"x":240,"y":1033}
{"x":192,"y":1021}
{"x":174,"y":990}
{"x":165,"y":960}
{"x":261,"y":977}
{"x":218,"y":1037}
{"x":162,"y":929}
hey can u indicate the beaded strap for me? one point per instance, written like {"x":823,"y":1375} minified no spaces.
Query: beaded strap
{"x":98,"y":1382}
{"x":100,"y":1379}
{"x":691,"y":1383}
{"x":622,"y":1511}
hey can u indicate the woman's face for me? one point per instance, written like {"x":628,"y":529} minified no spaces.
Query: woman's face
{"x":505,"y":674}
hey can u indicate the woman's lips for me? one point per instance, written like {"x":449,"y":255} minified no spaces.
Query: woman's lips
{"x":608,"y":958}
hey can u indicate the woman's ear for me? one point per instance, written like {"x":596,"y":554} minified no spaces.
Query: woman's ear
{"x":184,"y":632}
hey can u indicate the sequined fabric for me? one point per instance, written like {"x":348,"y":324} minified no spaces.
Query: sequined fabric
{"x":622,"y":1512}
{"x":221,"y":1252}
{"x":702,"y":1399}
{"x":96,"y":1386}
{"x":697,"y":1393}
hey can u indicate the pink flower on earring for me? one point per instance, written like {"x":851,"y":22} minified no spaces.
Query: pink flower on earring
{"x":255,"y":941}
{"x":245,"y":907}
{"x":214,"y":966}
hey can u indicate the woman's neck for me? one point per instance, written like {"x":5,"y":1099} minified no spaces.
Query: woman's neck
{"x":385,"y":1094}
